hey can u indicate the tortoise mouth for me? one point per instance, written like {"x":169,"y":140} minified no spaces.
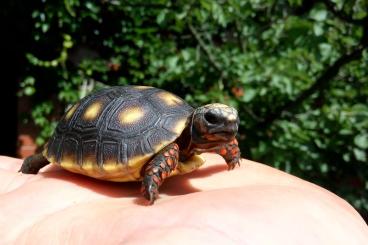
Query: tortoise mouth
{"x":226,"y":135}
{"x":221,"y":136}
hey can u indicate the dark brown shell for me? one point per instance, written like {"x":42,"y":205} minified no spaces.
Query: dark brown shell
{"x":112,"y":133}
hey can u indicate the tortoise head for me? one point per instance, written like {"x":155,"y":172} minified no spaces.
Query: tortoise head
{"x":214,"y":124}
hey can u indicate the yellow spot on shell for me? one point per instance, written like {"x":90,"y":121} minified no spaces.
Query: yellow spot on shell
{"x":110,"y":171}
{"x":142,"y":87}
{"x":169,"y":99}
{"x":70,"y":164}
{"x":131,"y":115}
{"x":180,"y":125}
{"x":51,"y":159}
{"x":139,"y":161}
{"x":92,"y":111}
{"x":161,"y":145}
{"x":45,"y":149}
{"x":71,"y":111}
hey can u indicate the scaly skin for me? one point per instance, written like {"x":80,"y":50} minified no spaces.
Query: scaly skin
{"x":33,"y":164}
{"x":231,"y":153}
{"x":158,"y":169}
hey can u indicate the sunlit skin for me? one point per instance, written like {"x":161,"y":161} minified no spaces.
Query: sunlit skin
{"x":252,"y":204}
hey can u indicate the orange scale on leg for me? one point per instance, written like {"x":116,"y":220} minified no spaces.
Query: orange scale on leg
{"x":156,"y":180}
{"x":222,"y":151}
{"x":170,"y":162}
{"x":234,"y":151}
{"x":164,"y":174}
{"x":162,"y":165}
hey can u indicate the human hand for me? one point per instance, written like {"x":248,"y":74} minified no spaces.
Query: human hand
{"x":253,"y":204}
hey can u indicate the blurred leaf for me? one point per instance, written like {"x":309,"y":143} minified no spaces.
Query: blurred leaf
{"x":361,"y":141}
{"x":318,"y":14}
{"x":318,"y":29}
{"x":249,"y":95}
{"x":360,"y":155}
{"x":161,"y":17}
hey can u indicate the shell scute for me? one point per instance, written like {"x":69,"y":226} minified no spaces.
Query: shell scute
{"x":112,"y":133}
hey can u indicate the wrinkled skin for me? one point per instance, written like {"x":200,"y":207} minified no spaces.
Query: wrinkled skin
{"x":253,"y":204}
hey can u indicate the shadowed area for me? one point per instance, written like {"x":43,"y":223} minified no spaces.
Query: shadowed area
{"x":173,"y":186}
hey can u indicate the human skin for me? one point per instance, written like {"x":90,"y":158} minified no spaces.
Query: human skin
{"x":252,"y":204}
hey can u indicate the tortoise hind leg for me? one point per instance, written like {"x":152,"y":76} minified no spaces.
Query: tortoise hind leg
{"x":158,"y":169}
{"x":32,"y":164}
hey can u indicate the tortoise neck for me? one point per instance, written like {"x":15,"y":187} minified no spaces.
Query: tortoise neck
{"x":184,"y":142}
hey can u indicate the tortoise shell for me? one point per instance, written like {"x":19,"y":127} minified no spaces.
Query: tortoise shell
{"x":112,"y":133}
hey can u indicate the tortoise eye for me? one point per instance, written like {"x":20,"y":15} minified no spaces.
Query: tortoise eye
{"x":211,"y":118}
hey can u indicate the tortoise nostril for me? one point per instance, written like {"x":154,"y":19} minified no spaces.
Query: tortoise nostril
{"x":211,"y":118}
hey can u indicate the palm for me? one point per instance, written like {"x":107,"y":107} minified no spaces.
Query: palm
{"x":251,"y":204}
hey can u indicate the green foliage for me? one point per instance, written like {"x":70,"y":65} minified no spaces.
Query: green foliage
{"x":296,"y":71}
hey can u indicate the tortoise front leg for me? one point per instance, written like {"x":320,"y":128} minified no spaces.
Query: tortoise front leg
{"x":231,"y":153}
{"x":158,"y":169}
{"x":32,"y":164}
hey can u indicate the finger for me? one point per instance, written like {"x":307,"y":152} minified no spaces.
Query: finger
{"x":239,"y":215}
{"x":45,"y":194}
{"x":214,"y":175}
{"x":10,"y":163}
{"x":10,"y":181}
{"x":10,"y":178}
{"x":14,"y":164}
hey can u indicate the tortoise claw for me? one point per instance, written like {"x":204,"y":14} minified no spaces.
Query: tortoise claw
{"x":150,"y":193}
{"x":233,"y":164}
{"x":231,"y":153}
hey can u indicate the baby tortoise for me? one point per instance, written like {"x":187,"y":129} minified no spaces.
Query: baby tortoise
{"x":138,"y":133}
